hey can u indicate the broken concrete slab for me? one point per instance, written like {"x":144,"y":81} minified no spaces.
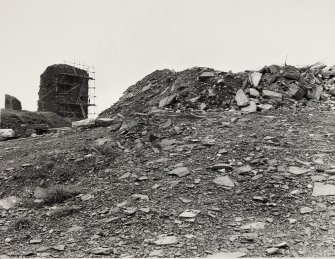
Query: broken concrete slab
{"x":321,"y":189}
{"x":241,"y":99}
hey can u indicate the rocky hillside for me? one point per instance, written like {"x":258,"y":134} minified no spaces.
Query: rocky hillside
{"x":185,"y":167}
{"x":207,"y":89}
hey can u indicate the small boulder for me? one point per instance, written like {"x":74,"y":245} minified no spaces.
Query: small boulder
{"x":6,"y":134}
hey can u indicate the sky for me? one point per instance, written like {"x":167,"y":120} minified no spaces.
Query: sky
{"x":127,"y":39}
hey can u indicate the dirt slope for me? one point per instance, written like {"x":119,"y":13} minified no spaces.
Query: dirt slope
{"x":126,"y":199}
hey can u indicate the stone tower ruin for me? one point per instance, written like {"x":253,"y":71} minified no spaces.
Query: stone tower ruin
{"x":64,"y":90}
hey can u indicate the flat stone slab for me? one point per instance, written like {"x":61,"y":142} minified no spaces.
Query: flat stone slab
{"x":321,"y":189}
{"x":297,"y":170}
{"x":227,"y":255}
{"x":224,"y":181}
{"x":180,"y":171}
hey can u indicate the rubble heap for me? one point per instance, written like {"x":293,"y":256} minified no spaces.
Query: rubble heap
{"x":206,"y":89}
{"x":12,"y":103}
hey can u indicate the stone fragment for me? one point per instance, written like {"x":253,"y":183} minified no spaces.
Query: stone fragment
{"x":253,"y":92}
{"x":219,"y":166}
{"x":146,"y":88}
{"x":332,"y":91}
{"x":157,"y":253}
{"x":208,"y":142}
{"x":272,"y":94}
{"x":205,"y":76}
{"x":321,"y":189}
{"x":101,"y":251}
{"x":272,"y":250}
{"x":59,"y":247}
{"x":305,"y":210}
{"x":137,"y":196}
{"x":6,"y":134}
{"x":252,"y":107}
{"x":167,"y":101}
{"x":105,"y":146}
{"x":224,"y":181}
{"x":255,"y":78}
{"x":244,"y":169}
{"x":254,"y":226}
{"x":166,"y":240}
{"x":296,"y":92}
{"x":241,"y":99}
{"x":35,"y":241}
{"x":90,"y":122}
{"x":40,"y":193}
{"x":75,"y":229}
{"x":315,"y":92}
{"x":87,"y":197}
{"x":297,"y":170}
{"x":9,"y":202}
{"x":281,"y":245}
{"x":189,"y":214}
{"x":227,"y":255}
{"x":179,"y":171}
{"x":318,"y":178}
{"x":104,"y":122}
{"x":130,"y":210}
{"x":264,"y":107}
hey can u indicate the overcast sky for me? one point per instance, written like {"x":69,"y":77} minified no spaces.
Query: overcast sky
{"x":126,"y":40}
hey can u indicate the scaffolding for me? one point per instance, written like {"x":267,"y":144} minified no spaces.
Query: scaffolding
{"x":75,"y":92}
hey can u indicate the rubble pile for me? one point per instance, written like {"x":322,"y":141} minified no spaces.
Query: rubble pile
{"x":12,"y":103}
{"x":205,"y":89}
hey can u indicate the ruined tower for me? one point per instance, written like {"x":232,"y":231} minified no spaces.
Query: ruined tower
{"x":64,"y":90}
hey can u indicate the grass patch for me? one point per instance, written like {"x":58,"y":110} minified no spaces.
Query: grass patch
{"x":22,"y":223}
{"x":59,"y":194}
